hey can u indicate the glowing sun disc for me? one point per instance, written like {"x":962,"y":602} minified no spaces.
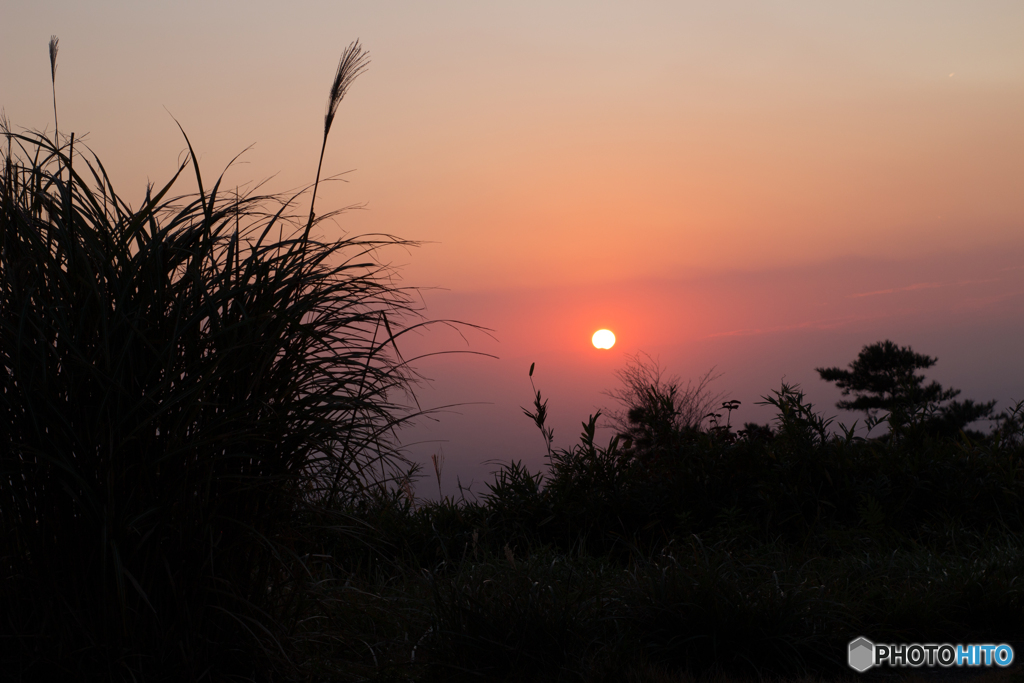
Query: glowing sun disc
{"x":603,"y":339}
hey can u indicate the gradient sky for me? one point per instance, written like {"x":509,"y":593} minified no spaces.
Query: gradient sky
{"x":759,"y":187}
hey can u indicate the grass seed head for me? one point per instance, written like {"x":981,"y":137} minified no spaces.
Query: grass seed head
{"x":353,"y":62}
{"x":53,"y":57}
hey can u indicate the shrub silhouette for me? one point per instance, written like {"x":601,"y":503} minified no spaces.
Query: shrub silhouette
{"x":657,"y":411}
{"x":799,"y":479}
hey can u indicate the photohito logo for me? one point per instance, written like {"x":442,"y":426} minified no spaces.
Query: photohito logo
{"x":863,"y":654}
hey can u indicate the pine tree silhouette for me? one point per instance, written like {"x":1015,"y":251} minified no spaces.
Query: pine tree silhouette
{"x":886,"y":385}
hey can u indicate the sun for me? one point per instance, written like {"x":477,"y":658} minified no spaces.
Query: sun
{"x":603,"y":339}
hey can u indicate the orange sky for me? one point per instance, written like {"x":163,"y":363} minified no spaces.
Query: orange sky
{"x":759,"y":186}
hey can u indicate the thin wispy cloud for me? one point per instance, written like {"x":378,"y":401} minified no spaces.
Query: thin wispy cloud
{"x":821,"y":324}
{"x":923,"y":285}
{"x":909,"y":288}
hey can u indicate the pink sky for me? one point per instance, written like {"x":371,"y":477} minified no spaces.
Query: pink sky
{"x":763,"y":187}
{"x":757,"y":328}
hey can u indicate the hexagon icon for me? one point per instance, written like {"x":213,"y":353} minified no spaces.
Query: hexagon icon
{"x":861,"y":654}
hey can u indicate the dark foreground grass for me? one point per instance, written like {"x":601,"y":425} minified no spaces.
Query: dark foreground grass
{"x":553,"y":618}
{"x":694,"y":609}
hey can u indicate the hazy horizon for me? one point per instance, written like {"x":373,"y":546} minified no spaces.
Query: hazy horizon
{"x":742,"y":337}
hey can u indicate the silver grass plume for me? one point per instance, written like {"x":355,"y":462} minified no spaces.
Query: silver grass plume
{"x":53,"y":57}
{"x":354,"y":60}
{"x":53,"y":81}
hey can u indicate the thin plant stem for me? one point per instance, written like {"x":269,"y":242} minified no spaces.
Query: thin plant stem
{"x":53,"y":83}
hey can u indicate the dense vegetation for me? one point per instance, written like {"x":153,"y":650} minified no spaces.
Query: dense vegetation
{"x":759,"y":551}
{"x":197,"y":480}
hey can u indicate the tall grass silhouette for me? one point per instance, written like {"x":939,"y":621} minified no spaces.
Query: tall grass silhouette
{"x":187,"y":389}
